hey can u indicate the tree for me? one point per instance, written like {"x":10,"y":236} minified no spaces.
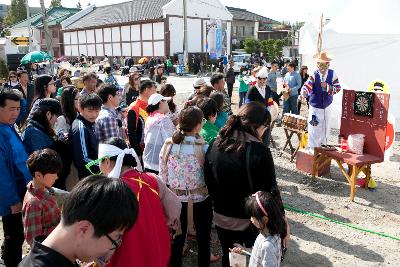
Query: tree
{"x":79,"y":4}
{"x":55,"y":3}
{"x":3,"y":69}
{"x":16,"y":12}
{"x":272,"y":48}
{"x":251,"y":46}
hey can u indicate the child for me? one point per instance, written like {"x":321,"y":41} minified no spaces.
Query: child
{"x":181,"y":168}
{"x":268,"y":218}
{"x":243,"y":86}
{"x":83,"y":138}
{"x":40,"y":211}
{"x":222,"y":116}
{"x":209,"y":131}
{"x":96,"y":213}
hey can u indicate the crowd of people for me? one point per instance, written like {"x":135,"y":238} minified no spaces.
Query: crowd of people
{"x":141,"y":173}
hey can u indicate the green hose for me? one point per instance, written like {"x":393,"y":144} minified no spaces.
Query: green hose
{"x":338,"y":222}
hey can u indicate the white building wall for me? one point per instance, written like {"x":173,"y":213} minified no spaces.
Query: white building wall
{"x":175,"y":35}
{"x":128,"y":40}
{"x":194,"y":35}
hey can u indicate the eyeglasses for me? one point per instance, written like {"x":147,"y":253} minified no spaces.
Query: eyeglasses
{"x":323,"y":64}
{"x":96,"y":162}
{"x":13,"y":76}
{"x":262,"y":78}
{"x":52,"y":83}
{"x":116,"y":243}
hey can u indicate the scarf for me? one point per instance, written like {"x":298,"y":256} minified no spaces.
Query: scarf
{"x":106,"y":150}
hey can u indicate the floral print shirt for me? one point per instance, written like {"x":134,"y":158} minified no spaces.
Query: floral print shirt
{"x":182,"y":169}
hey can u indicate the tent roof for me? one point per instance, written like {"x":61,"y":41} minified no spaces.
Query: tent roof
{"x":368,"y":17}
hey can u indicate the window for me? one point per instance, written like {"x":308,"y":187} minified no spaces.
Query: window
{"x":244,"y":31}
{"x":252,"y":30}
{"x":237,"y":31}
{"x":55,"y":33}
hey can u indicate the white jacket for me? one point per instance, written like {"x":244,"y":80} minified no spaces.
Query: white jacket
{"x":157,"y":129}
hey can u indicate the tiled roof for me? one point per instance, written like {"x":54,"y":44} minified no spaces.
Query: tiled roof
{"x":243,"y":14}
{"x":136,"y":10}
{"x":55,"y":16}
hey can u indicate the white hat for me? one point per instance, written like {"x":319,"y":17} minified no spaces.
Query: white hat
{"x":199,"y":82}
{"x":154,"y":99}
{"x":262,"y":73}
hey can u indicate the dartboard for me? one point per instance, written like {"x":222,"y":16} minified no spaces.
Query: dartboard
{"x":364,"y":104}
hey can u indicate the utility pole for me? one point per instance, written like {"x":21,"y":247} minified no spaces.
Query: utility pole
{"x":49,"y":40}
{"x":29,"y":26}
{"x":185,"y":39}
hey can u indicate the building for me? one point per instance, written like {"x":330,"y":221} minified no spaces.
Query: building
{"x":247,"y":24}
{"x":55,"y":15}
{"x":148,"y":28}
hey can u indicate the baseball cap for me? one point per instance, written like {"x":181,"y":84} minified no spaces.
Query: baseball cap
{"x":50,"y":104}
{"x":199,"y":82}
{"x":154,"y":99}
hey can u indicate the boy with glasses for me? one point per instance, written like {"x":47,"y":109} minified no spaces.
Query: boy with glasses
{"x":95,"y":216}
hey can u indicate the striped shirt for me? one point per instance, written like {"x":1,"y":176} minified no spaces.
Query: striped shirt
{"x":332,"y":89}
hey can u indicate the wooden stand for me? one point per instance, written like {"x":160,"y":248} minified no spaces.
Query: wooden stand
{"x":289,"y":132}
{"x":355,"y":165}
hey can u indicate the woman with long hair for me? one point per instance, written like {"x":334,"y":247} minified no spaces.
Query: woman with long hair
{"x":39,"y":132}
{"x":44,"y":88}
{"x":69,"y":105}
{"x":168,"y":90}
{"x":131,"y":89}
{"x":237,"y":165}
{"x":181,"y":168}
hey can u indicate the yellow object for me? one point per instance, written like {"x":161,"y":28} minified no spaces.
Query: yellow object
{"x":378,"y":86}
{"x":372,"y":183}
{"x":303,"y":141}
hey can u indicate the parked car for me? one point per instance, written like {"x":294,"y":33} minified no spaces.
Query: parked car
{"x":241,"y":60}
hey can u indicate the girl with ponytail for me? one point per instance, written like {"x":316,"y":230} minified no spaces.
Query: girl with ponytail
{"x":238,"y":164}
{"x":181,"y":168}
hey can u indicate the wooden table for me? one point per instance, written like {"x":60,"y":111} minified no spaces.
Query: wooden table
{"x":355,"y":165}
{"x":289,"y":132}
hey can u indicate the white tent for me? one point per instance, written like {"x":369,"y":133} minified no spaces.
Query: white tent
{"x":364,"y":41}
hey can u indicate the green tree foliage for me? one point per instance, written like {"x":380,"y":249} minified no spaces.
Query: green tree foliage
{"x":16,"y":12}
{"x":272,"y":48}
{"x":251,"y":45}
{"x":3,"y":69}
{"x":55,"y":3}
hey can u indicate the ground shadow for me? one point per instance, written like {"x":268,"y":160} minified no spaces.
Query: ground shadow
{"x":305,"y":233}
{"x":290,"y":194}
{"x":296,"y":257}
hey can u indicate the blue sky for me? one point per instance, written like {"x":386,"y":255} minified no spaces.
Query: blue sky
{"x":288,"y":10}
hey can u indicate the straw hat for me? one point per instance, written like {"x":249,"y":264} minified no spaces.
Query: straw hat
{"x":323,"y":57}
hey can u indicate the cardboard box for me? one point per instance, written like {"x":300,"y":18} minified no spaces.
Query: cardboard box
{"x":305,"y":161}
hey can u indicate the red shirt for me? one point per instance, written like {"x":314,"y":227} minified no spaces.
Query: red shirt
{"x":40,"y":212}
{"x":147,"y":244}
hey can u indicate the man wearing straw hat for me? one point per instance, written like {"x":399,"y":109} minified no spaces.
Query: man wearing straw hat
{"x":320,"y":87}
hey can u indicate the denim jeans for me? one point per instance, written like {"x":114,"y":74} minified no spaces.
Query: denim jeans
{"x":290,"y":105}
{"x":242,"y":98}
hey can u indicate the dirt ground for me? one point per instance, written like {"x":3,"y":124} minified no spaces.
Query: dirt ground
{"x":316,"y":242}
